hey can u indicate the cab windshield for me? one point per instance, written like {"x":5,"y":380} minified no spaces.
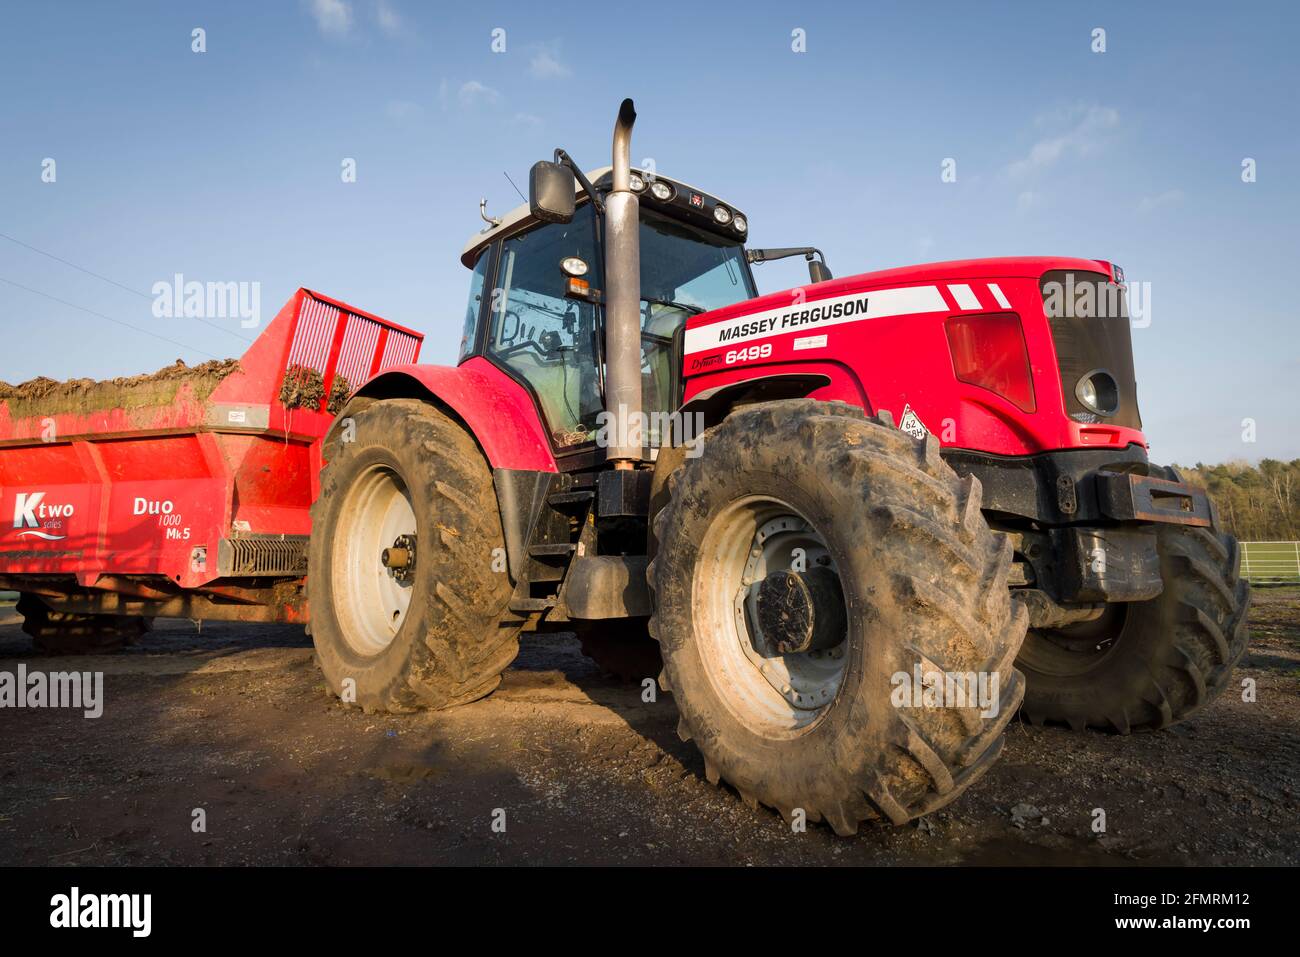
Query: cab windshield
{"x":686,"y":266}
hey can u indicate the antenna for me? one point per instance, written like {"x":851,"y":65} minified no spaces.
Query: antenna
{"x":512,"y":183}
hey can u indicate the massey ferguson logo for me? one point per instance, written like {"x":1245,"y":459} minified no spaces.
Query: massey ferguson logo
{"x":31,"y":513}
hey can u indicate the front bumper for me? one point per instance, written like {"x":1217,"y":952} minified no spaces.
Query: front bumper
{"x":1081,"y":486}
{"x":1094,"y":515}
{"x":1127,"y":497}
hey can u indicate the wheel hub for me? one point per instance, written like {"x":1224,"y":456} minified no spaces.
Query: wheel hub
{"x":787,"y":555}
{"x":802,"y":611}
{"x":399,"y":559}
{"x":373,"y":581}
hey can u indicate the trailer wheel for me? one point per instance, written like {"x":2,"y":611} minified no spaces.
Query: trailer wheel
{"x":63,"y":633}
{"x":1143,"y":666}
{"x":407,"y":595}
{"x":811,"y":563}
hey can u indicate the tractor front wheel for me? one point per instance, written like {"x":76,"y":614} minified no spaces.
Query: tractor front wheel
{"x":1145,"y":665}
{"x":817,"y":572}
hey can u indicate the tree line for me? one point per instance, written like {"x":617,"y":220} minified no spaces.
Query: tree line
{"x":1256,"y":502}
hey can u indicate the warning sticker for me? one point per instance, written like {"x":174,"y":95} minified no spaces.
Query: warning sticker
{"x":911,"y":424}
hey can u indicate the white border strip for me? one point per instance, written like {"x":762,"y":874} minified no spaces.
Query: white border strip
{"x":815,"y":316}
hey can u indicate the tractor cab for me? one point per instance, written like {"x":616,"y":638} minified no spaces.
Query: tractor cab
{"x":537,"y":298}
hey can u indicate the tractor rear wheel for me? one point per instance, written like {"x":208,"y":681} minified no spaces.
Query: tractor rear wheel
{"x":812,"y":563}
{"x":64,"y":633}
{"x":408,"y":607}
{"x":1145,"y":665}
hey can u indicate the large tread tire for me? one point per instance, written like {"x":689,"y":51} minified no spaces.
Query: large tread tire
{"x":1167,"y":657}
{"x":458,"y":634}
{"x":925,"y":581}
{"x":64,"y":633}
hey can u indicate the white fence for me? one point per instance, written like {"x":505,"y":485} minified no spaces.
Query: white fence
{"x":1271,"y":562}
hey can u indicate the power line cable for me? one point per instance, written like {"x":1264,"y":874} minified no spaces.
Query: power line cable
{"x":100,"y":315}
{"x":114,"y":282}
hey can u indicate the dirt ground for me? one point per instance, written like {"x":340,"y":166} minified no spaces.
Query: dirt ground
{"x":236,"y":721}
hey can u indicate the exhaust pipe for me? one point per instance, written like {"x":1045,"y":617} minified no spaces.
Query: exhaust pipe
{"x":623,"y":301}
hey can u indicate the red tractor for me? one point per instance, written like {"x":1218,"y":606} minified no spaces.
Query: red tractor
{"x":853,"y":527}
{"x":822,"y":504}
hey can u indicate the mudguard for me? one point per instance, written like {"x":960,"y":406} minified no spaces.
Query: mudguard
{"x":496,"y":409}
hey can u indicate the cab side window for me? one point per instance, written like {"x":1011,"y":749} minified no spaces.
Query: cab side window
{"x":469,"y":336}
{"x":543,"y":337}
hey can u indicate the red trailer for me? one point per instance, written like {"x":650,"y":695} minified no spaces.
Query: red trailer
{"x":187,"y":493}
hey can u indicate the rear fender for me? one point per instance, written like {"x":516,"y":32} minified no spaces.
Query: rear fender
{"x":497,"y":411}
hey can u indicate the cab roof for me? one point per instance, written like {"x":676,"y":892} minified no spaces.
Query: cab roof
{"x":520,"y":218}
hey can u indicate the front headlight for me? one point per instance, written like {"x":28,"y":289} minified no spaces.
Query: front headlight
{"x":1098,"y":392}
{"x":721,"y":215}
{"x":636,"y":182}
{"x":661,"y":191}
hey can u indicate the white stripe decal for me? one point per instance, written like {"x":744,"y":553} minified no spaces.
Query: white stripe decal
{"x":815,"y":316}
{"x":964,"y":295}
{"x":997,"y":294}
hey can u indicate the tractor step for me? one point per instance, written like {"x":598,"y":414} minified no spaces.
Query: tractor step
{"x":546,"y":553}
{"x":565,"y":500}
{"x":526,"y":603}
{"x":532,"y":604}
{"x":541,"y":571}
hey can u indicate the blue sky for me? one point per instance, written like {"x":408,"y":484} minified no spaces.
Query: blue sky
{"x":225,"y":166}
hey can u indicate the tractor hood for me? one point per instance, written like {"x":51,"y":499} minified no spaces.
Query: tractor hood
{"x":974,"y":349}
{"x":902,"y":290}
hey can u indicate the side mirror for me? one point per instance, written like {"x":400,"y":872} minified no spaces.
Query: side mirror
{"x":552,"y":194}
{"x":817,"y":271}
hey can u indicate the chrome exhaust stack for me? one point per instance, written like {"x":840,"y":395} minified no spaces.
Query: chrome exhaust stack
{"x":623,"y":302}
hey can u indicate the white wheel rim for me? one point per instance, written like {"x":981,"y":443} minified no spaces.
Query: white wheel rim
{"x":774,"y":695}
{"x":370,"y":602}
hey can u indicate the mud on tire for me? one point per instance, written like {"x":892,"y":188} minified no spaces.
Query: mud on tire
{"x":924,"y":581}
{"x":64,"y":633}
{"x":455,"y":635}
{"x":1146,"y":665}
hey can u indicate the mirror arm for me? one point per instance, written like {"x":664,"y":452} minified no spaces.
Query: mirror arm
{"x":816,"y":270}
{"x":564,"y":159}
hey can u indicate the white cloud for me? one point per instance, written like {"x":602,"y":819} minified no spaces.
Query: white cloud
{"x":473,"y":94}
{"x":333,"y":17}
{"x":527,"y":119}
{"x":1171,"y":197}
{"x":546,"y":63}
{"x":388,"y":19}
{"x":1088,"y":126}
{"x":1026,"y":201}
{"x":403,"y":112}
